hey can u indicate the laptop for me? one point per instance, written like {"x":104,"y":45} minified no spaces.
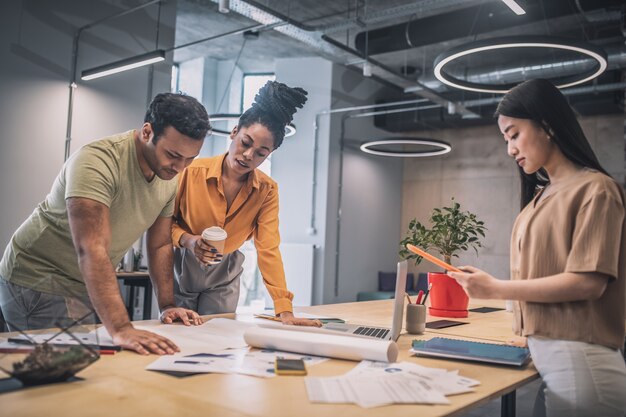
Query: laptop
{"x":360,"y":330}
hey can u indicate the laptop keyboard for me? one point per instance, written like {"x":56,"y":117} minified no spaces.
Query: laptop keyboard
{"x":376,"y":332}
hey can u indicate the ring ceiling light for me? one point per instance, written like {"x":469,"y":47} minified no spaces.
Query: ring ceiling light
{"x":591,"y":51}
{"x":441,"y":147}
{"x":290,"y":129}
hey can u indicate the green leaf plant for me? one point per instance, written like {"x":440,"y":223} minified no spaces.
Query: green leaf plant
{"x":452,"y":231}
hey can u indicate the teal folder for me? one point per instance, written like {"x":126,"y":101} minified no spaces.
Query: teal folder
{"x":472,"y":351}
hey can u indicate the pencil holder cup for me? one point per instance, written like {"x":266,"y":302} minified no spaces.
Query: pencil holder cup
{"x":447,"y":297}
{"x":415,"y":318}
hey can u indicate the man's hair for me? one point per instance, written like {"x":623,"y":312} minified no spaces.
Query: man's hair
{"x":184,"y":113}
{"x":274,"y":107}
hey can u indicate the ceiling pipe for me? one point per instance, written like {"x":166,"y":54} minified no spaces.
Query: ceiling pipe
{"x":420,"y":89}
{"x":428,"y":118}
{"x":474,"y":21}
{"x":329,"y":45}
{"x":574,"y":91}
{"x":422,"y":7}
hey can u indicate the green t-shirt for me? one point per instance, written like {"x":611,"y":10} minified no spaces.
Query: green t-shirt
{"x":41,"y":253}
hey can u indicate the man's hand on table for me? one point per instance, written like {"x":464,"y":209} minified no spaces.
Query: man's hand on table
{"x":144,"y":342}
{"x":188,"y":317}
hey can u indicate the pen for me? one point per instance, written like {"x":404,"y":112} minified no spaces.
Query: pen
{"x":420,"y":294}
{"x":427,"y":292}
{"x":101,"y":348}
{"x":30,"y":349}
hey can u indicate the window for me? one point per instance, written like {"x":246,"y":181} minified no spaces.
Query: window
{"x":252,"y":83}
{"x":174,"y":86}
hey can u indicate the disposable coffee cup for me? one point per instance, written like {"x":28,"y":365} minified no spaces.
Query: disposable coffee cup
{"x":216,"y":237}
{"x":415,"y":318}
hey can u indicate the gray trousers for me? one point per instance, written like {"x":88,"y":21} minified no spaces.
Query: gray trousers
{"x":27,"y":309}
{"x":212,"y":289}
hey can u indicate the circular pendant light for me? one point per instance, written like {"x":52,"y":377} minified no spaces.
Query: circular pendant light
{"x":373,"y":147}
{"x":548,"y":42}
{"x":290,"y":129}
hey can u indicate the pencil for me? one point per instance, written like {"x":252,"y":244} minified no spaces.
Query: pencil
{"x":431,"y":258}
{"x":267,"y":317}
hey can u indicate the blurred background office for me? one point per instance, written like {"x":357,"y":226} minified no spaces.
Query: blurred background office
{"x":369,"y":67}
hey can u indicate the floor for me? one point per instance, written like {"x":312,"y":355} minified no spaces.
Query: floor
{"x":525,"y":400}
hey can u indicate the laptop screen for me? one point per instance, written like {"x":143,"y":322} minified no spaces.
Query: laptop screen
{"x":398,"y":302}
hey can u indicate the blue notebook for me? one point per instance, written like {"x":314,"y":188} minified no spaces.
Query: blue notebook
{"x":472,"y":351}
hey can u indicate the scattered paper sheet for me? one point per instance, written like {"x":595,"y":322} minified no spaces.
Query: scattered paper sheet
{"x":374,"y":384}
{"x":241,"y":361}
{"x":214,"y":335}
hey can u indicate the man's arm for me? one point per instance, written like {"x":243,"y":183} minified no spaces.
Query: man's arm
{"x":91,"y":234}
{"x":161,"y":266}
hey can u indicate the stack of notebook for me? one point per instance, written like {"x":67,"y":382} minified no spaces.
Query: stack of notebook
{"x":471,"y":351}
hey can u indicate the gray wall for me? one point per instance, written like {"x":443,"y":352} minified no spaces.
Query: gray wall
{"x":292,"y":163}
{"x":34,"y":76}
{"x":371,"y":195}
{"x":370,"y":186}
{"x":480,"y":175}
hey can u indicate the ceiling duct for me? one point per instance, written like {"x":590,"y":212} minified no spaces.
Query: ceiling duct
{"x":587,"y":100}
{"x":332,"y":48}
{"x":470,"y":21}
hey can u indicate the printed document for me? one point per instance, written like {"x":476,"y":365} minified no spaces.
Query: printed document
{"x":232,"y":361}
{"x":374,"y":384}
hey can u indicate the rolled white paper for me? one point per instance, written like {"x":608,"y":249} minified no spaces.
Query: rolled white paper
{"x":322,"y":344}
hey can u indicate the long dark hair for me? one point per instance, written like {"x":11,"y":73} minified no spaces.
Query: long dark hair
{"x":540,"y":101}
{"x":274,"y":107}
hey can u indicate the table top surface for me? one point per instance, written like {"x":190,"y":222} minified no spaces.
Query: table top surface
{"x":119,"y":384}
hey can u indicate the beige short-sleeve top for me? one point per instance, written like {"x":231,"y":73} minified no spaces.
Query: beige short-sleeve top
{"x":578,"y":227}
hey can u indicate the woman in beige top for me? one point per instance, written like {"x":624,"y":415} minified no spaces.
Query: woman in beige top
{"x":568,"y":257}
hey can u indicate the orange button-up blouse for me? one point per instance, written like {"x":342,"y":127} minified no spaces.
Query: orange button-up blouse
{"x":200,"y":203}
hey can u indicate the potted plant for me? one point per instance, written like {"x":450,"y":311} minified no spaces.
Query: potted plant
{"x":452,"y":231}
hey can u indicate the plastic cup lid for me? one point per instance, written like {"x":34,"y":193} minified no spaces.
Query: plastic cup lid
{"x":214,"y":233}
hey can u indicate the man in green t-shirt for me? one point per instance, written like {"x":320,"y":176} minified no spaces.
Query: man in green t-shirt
{"x":60,"y":263}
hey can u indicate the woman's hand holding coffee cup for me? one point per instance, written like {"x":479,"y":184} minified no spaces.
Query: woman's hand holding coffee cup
{"x":206,"y":253}
{"x":214,"y":238}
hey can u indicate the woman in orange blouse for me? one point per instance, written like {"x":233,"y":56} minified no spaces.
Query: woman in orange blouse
{"x":230,"y":192}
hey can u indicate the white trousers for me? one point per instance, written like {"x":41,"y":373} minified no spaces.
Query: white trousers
{"x":579,"y":379}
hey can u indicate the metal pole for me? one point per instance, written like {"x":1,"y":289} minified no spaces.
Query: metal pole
{"x":73,"y":85}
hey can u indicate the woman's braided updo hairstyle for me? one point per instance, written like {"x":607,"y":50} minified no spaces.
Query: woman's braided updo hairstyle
{"x":274,"y":107}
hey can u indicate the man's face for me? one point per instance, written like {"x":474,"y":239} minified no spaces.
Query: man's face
{"x":171,"y":153}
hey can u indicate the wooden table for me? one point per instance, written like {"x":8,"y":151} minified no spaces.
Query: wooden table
{"x":119,"y":385}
